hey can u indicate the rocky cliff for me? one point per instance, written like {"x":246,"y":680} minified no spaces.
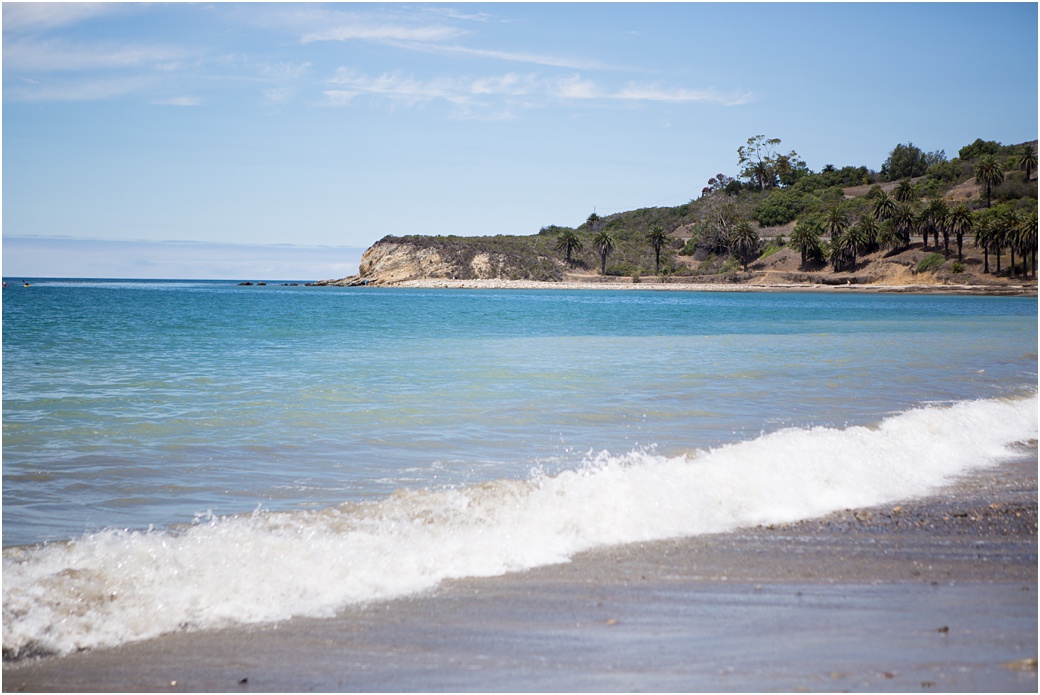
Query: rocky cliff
{"x":393,"y":260}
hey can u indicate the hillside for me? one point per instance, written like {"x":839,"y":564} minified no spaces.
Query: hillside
{"x":851,"y":225}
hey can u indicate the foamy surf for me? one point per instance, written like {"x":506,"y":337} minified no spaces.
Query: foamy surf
{"x":117,"y":586}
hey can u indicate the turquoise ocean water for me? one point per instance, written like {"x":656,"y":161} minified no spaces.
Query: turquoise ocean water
{"x":160,"y":425}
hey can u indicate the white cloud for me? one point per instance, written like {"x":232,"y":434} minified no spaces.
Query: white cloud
{"x":59,"y":56}
{"x":36,"y":16}
{"x":409,"y":90}
{"x":634,"y":92}
{"x":383,"y":32}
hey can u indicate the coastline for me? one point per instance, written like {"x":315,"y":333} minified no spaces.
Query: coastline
{"x":931,"y":593}
{"x":680,"y":286}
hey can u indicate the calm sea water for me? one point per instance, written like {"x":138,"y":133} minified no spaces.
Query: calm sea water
{"x":248,"y":413}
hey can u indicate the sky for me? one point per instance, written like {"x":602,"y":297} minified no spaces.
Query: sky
{"x":278,"y":141}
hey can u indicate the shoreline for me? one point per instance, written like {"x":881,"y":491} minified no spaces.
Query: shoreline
{"x":935,"y":593}
{"x":680,"y":286}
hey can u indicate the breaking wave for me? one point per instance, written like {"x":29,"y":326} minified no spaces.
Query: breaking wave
{"x":117,"y":586}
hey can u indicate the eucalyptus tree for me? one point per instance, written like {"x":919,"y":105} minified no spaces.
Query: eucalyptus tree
{"x":569,"y":242}
{"x":835,"y":221}
{"x":988,"y":172}
{"x":604,"y":244}
{"x":657,"y":238}
{"x":961,"y":223}
{"x":806,"y":237}
{"x":745,"y":242}
{"x":884,"y":207}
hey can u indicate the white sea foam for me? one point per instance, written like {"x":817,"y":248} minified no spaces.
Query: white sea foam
{"x":118,"y":586}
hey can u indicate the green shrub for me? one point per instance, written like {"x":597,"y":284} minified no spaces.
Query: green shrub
{"x":931,"y":263}
{"x":957,"y":268}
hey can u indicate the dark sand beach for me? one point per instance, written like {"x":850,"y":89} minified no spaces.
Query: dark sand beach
{"x":934,"y":594}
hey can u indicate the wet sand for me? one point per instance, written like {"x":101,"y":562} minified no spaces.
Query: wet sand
{"x":934,"y":594}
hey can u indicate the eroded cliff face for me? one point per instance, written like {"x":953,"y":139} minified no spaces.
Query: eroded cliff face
{"x":389,"y":262}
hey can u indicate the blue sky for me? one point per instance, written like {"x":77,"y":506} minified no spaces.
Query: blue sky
{"x":248,"y":140}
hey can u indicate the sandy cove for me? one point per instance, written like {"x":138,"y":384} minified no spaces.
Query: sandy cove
{"x":762,"y":286}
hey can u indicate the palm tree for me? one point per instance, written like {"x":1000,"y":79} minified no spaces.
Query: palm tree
{"x":1027,"y":239}
{"x":905,"y":219}
{"x":605,"y":244}
{"x":657,"y":238}
{"x":983,"y":238}
{"x":846,"y":246}
{"x":905,"y":192}
{"x":591,"y":222}
{"x":961,"y":223}
{"x":835,"y":221}
{"x":870,"y":230}
{"x":745,"y":241}
{"x":1010,"y":223}
{"x":988,"y":173}
{"x":938,"y":217}
{"x":1026,"y":159}
{"x":884,"y":207}
{"x":568,"y":241}
{"x":806,"y":237}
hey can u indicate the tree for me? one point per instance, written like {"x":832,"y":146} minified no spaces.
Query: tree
{"x":884,"y":206}
{"x":1027,"y":239}
{"x":937,"y":217}
{"x":764,"y":167}
{"x":1025,"y":158}
{"x":961,"y":223}
{"x":905,"y":220}
{"x":907,"y":161}
{"x":870,"y":231}
{"x":905,"y":192}
{"x":806,"y":237}
{"x":988,"y":173}
{"x":1009,"y":225}
{"x":657,"y":238}
{"x":745,"y":242}
{"x":591,"y":221}
{"x":835,"y":221}
{"x":604,"y":244}
{"x":978,"y":148}
{"x":983,"y":238}
{"x":569,"y":242}
{"x":846,"y":246}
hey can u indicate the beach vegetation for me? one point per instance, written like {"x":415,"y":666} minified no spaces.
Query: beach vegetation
{"x":569,"y":242}
{"x":930,"y":263}
{"x":745,"y":242}
{"x":657,"y":238}
{"x":604,"y":243}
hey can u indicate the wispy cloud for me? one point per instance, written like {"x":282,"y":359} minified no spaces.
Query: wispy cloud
{"x":383,"y":32}
{"x":408,"y":90}
{"x":60,"y":56}
{"x":21,"y":17}
{"x":547,"y":60}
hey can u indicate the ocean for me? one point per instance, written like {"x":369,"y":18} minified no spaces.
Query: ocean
{"x":182,"y":455}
